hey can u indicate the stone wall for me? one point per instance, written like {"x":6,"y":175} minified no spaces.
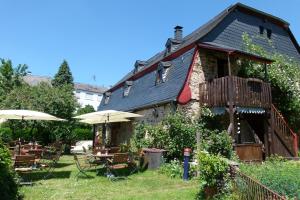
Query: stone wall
{"x":154,"y":114}
{"x":205,"y":68}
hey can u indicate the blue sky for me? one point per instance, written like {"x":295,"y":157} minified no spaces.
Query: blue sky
{"x":104,"y":38}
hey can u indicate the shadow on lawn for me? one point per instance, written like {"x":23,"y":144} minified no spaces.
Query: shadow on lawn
{"x":43,"y":175}
{"x":61,"y":165}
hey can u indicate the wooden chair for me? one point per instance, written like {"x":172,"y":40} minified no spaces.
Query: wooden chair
{"x":49,"y":161}
{"x":90,"y":159}
{"x":113,"y":150}
{"x":23,"y":165}
{"x":24,"y":160}
{"x":119,"y":162}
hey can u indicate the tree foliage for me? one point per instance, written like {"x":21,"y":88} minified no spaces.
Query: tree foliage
{"x":45,"y":98}
{"x":284,"y":76}
{"x":63,"y":76}
{"x":86,"y":109}
{"x":8,"y":186}
{"x":10,"y":77}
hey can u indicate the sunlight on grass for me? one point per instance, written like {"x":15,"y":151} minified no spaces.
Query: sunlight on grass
{"x":146,"y":185}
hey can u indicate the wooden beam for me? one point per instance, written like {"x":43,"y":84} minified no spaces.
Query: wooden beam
{"x":266,"y":72}
{"x":229,"y":64}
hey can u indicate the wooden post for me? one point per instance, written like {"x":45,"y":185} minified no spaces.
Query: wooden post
{"x":266,"y":72}
{"x":231,"y":129}
{"x":103,"y":133}
{"x":229,"y":64}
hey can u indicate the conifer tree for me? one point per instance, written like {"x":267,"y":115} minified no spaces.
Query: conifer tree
{"x":63,"y":76}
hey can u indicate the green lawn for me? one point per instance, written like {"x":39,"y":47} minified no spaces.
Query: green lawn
{"x":145,"y":185}
{"x":282,"y":177}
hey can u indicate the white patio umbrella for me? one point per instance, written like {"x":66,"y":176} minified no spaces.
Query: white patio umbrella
{"x":108,"y":116}
{"x":27,"y":115}
{"x":105,"y":117}
{"x":2,"y":120}
{"x":100,"y":121}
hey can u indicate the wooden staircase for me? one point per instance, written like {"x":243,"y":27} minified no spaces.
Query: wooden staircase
{"x":282,"y":133}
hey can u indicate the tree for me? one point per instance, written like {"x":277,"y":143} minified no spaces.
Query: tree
{"x":84,"y":110}
{"x":63,"y":76}
{"x":59,"y":102}
{"x":11,"y":77}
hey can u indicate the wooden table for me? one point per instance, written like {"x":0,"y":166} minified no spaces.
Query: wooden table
{"x":105,"y":156}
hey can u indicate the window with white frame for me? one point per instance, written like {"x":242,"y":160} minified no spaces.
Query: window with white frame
{"x":127,"y":87}
{"x":89,"y":96}
{"x":162,"y":72}
{"x":107,"y":97}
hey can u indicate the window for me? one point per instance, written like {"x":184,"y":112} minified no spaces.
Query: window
{"x":89,"y":96}
{"x":269,"y":33}
{"x":159,"y":76}
{"x":127,"y":88}
{"x":162,"y":72}
{"x":107,"y":97}
{"x":77,"y":94}
{"x":261,"y":30}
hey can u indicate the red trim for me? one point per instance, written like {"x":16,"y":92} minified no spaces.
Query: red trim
{"x":185,"y":93}
{"x":154,"y":66}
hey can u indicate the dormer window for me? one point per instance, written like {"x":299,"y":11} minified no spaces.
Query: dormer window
{"x":173,"y":43}
{"x":107,"y":97}
{"x":261,"y":30}
{"x":269,"y":33}
{"x":162,"y":72}
{"x":127,"y":87}
{"x":139,"y":65}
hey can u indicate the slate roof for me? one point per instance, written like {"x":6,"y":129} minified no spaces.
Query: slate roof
{"x":34,"y":80}
{"x":89,"y":88}
{"x":224,"y":30}
{"x":144,"y":92}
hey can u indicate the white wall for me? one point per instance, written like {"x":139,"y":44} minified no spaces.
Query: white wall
{"x":88,"y":98}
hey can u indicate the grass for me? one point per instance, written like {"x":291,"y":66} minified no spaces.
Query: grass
{"x":145,"y":185}
{"x":280,"y":176}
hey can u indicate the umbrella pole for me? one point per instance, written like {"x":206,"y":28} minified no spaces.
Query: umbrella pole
{"x":94,"y":135}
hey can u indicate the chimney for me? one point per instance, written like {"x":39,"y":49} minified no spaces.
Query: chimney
{"x":178,"y":33}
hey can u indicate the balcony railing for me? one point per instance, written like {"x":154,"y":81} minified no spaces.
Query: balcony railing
{"x":239,"y":91}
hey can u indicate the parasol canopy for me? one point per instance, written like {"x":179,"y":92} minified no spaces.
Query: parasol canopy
{"x":27,"y":115}
{"x":107,"y":116}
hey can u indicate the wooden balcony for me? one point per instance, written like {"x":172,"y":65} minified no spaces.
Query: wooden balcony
{"x":243,"y":92}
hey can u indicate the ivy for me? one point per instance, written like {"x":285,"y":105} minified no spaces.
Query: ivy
{"x":284,"y":76}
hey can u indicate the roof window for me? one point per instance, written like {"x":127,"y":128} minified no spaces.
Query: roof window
{"x":162,"y":72}
{"x":269,"y":33}
{"x":107,"y":97}
{"x":261,"y":30}
{"x":127,"y":87}
{"x":139,"y":65}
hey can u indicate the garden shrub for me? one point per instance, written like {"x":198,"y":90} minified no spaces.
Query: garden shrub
{"x":8,"y":186}
{"x":5,"y":134}
{"x":218,"y":143}
{"x":173,"y":134}
{"x":173,"y":169}
{"x":214,"y":173}
{"x":82,"y":134}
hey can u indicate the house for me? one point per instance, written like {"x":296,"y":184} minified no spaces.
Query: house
{"x":85,"y":94}
{"x":202,"y":68}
